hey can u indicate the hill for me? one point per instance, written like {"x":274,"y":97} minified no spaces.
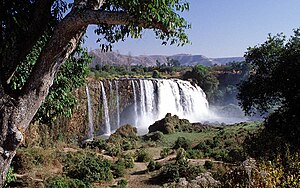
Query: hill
{"x":151,"y":60}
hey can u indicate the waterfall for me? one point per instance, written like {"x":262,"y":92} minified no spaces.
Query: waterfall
{"x":118,"y":104}
{"x":107,"y":128}
{"x":157,"y":97}
{"x":90,"y":115}
{"x":142,"y":99}
{"x":149,"y":100}
{"x":135,"y":103}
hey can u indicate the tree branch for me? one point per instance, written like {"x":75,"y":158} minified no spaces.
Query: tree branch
{"x":115,"y":18}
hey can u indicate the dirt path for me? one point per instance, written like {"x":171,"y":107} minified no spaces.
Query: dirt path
{"x":139,"y":177}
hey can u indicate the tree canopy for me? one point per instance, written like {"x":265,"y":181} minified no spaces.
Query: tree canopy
{"x":274,"y":84}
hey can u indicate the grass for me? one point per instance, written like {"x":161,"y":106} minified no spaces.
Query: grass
{"x":196,"y":137}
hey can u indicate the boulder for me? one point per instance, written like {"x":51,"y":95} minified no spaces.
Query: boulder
{"x":126,"y":131}
{"x":170,"y":124}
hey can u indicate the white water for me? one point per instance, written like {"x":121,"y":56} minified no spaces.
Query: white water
{"x":107,"y":128}
{"x":118,"y":104}
{"x":151,"y":100}
{"x":157,"y":97}
{"x":135,"y":103}
{"x":90,"y":115}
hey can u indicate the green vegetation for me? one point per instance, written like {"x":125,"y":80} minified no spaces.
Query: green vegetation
{"x":276,"y":65}
{"x":87,"y":167}
{"x":180,"y":168}
{"x":204,"y":78}
{"x":65,"y":182}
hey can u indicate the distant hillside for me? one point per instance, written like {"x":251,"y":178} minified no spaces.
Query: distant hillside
{"x":150,"y":60}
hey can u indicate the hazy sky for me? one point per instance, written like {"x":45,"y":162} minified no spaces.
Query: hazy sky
{"x":220,"y":28}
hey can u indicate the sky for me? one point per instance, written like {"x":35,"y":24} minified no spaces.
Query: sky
{"x":220,"y":28}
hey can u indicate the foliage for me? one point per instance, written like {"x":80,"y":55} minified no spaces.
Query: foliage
{"x":276,"y":64}
{"x":10,"y":177}
{"x":61,"y":100}
{"x":208,"y":165}
{"x":194,"y":154}
{"x":142,"y":155}
{"x":128,"y":160}
{"x":207,"y":81}
{"x":27,"y":159}
{"x":165,"y":152}
{"x":156,"y":74}
{"x":122,"y":183}
{"x":87,"y":167}
{"x":153,"y":165}
{"x":119,"y":169}
{"x":163,"y":12}
{"x":284,"y":171}
{"x":182,"y":142}
{"x":65,"y":182}
{"x":181,"y":168}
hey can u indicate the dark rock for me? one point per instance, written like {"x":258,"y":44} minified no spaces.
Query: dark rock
{"x":154,"y":136}
{"x":170,"y":124}
{"x":126,"y":131}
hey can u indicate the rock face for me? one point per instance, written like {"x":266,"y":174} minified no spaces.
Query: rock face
{"x":170,"y":124}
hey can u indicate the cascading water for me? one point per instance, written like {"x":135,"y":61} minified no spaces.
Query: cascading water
{"x":107,"y":128}
{"x":157,"y":97}
{"x":118,"y":104}
{"x":90,"y":115}
{"x":135,"y":102}
{"x":149,"y":101}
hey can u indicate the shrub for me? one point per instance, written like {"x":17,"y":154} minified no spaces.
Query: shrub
{"x":208,"y":165}
{"x":114,"y":150}
{"x":165,"y":152}
{"x":194,"y":154}
{"x":87,"y":167}
{"x":156,"y":74}
{"x":182,"y":142}
{"x":99,"y":143}
{"x":122,"y":183}
{"x":10,"y":177}
{"x":202,"y":146}
{"x":65,"y":182}
{"x":142,"y":156}
{"x":153,"y":165}
{"x":128,"y":160}
{"x":119,"y":169}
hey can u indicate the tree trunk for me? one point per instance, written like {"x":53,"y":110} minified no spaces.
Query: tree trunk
{"x":16,"y":113}
{"x":10,"y":136}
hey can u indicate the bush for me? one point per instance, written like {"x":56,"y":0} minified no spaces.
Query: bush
{"x":122,"y":183}
{"x":153,"y":165}
{"x":65,"y":182}
{"x":119,"y":169}
{"x":128,"y":160}
{"x":99,"y":143}
{"x":10,"y":177}
{"x":208,"y":165}
{"x":156,"y":74}
{"x":87,"y":167}
{"x":194,"y":154}
{"x":142,"y":156}
{"x":113,"y":150}
{"x":165,"y":152}
{"x":182,"y":142}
